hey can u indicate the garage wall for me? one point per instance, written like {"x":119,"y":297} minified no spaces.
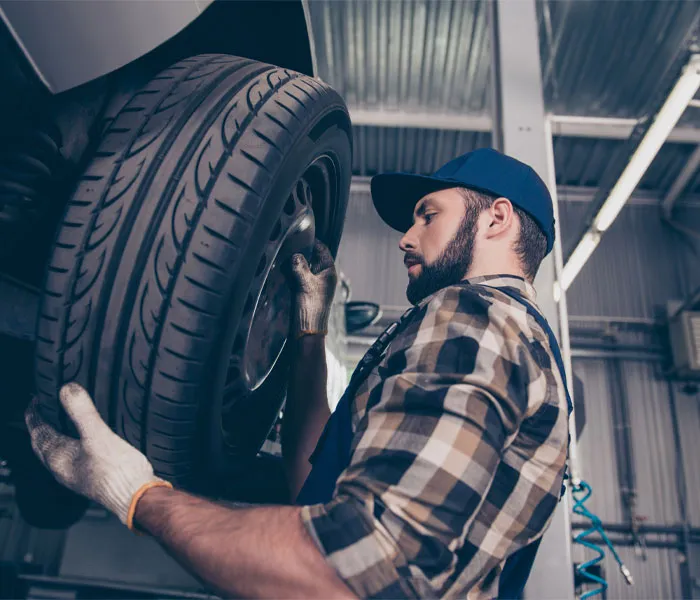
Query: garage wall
{"x":652,"y":441}
{"x":639,"y":266}
{"x":658,"y":574}
{"x":640,"y":263}
{"x":369,"y":255}
{"x":654,"y":579}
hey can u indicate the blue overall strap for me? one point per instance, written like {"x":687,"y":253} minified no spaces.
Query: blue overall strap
{"x":334,"y":449}
{"x":519,"y":565}
{"x":553,"y":343}
{"x":331,"y":456}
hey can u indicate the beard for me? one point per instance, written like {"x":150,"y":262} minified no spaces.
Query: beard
{"x":450,"y":267}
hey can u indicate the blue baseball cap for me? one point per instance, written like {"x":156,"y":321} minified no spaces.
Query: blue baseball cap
{"x":395,"y":195}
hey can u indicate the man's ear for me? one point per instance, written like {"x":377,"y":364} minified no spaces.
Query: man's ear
{"x":501,"y":217}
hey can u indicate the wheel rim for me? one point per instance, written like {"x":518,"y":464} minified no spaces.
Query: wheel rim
{"x":269,"y":327}
{"x":264,"y":327}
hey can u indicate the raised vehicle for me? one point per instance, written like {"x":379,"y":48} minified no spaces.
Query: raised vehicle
{"x":159,"y":163}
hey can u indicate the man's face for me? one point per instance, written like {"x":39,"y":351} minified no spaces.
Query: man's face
{"x":439,"y":247}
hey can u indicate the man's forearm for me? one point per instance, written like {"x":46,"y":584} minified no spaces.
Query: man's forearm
{"x":306,"y":412}
{"x":240,"y":552}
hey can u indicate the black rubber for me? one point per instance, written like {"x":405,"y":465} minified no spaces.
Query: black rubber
{"x":160,"y":242}
{"x":34,"y":183}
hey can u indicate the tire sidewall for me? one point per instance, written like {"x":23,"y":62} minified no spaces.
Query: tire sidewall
{"x":336,"y":142}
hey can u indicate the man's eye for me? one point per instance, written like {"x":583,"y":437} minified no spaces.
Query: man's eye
{"x":428,"y":217}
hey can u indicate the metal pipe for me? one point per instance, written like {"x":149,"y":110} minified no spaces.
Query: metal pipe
{"x":562,"y":307}
{"x":584,"y":353}
{"x":622,"y":542}
{"x":643,"y":528}
{"x":624,"y":450}
{"x":615,"y":348}
{"x":615,"y":320}
{"x":682,"y":490}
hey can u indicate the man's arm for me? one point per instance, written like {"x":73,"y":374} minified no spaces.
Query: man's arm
{"x":306,"y":411}
{"x":251,"y":552}
{"x":242,"y":552}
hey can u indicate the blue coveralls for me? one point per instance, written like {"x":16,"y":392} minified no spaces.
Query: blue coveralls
{"x":333,"y":452}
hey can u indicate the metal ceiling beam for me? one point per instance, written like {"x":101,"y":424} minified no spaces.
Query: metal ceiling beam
{"x":681,"y":182}
{"x":562,"y":125}
{"x":565,"y":193}
{"x":613,"y":129}
{"x":360,"y":185}
{"x":420,"y":120}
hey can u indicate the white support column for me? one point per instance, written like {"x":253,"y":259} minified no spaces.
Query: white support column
{"x":521,"y":131}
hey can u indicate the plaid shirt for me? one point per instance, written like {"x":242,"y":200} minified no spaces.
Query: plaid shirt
{"x":460,"y":441}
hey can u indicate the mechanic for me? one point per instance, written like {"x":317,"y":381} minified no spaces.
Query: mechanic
{"x":442,"y":464}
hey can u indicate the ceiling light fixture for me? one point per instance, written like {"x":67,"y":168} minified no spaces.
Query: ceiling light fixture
{"x":578,"y":258}
{"x":664,"y":122}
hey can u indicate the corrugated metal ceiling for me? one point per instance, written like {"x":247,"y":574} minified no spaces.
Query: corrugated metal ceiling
{"x":578,"y":161}
{"x":583,"y":162}
{"x":405,"y":54}
{"x":599,"y":58}
{"x":605,"y":58}
{"x":379,"y":149}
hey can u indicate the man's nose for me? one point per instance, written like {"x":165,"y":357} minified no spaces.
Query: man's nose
{"x":408,"y":242}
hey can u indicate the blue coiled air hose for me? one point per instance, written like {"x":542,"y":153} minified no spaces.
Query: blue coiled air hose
{"x":581,"y":492}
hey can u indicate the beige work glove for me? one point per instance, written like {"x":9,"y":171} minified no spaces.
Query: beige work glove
{"x":314,"y":287}
{"x":99,"y":465}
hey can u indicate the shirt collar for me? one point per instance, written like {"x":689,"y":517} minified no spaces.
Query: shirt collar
{"x":512,"y":281}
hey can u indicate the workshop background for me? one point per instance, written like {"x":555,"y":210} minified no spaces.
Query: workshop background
{"x":419,"y":79}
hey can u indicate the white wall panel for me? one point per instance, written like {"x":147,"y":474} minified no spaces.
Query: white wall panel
{"x":635,"y":269}
{"x":369,"y":255}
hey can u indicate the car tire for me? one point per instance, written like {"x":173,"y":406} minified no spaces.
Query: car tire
{"x":35,"y":180}
{"x":42,"y":501}
{"x":166,"y":294}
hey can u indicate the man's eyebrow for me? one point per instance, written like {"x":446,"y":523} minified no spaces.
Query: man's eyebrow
{"x":422,"y":207}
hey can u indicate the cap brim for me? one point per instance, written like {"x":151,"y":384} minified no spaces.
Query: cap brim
{"x":395,"y":196}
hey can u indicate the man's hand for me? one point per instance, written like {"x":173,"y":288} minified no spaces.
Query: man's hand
{"x":100,"y":465}
{"x":314,"y":286}
{"x":262,"y":552}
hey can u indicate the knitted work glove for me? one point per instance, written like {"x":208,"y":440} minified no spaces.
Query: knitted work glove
{"x":314,"y":287}
{"x":99,"y":465}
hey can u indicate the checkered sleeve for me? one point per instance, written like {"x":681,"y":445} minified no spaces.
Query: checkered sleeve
{"x":451,"y":394}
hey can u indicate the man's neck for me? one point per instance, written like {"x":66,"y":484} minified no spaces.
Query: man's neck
{"x":494,"y":261}
{"x":472,"y":273}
